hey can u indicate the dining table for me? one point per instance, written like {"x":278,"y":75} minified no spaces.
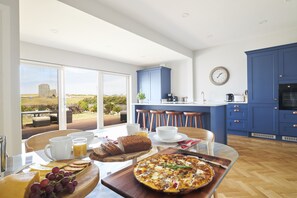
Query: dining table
{"x":108,"y":169}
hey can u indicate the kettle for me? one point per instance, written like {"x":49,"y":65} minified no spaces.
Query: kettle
{"x":229,"y":97}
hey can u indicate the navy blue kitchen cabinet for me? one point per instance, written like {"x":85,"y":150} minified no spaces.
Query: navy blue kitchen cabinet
{"x":237,"y":115}
{"x":263,"y":77}
{"x":263,"y":118}
{"x":154,"y":82}
{"x":267,"y":68}
{"x":288,"y":65}
{"x":288,"y":123}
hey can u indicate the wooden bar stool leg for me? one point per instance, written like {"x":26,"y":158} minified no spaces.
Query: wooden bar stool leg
{"x":200,"y":120}
{"x":138,"y":116}
{"x":143,"y":120}
{"x":164,"y":119}
{"x":196,"y":124}
{"x":191,"y":120}
{"x":168,"y":118}
{"x":148,"y":117}
{"x":180,"y":120}
{"x":175,"y":120}
{"x":186,"y":124}
{"x":152,"y":120}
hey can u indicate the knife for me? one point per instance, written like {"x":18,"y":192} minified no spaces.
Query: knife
{"x":212,"y":162}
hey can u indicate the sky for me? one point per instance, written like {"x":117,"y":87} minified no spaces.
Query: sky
{"x":77,"y":81}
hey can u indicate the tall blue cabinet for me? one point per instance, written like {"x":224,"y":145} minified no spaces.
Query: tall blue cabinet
{"x":155,"y":83}
{"x":267,"y":68}
{"x":263,"y":91}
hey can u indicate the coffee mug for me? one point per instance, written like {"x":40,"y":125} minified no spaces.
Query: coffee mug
{"x":60,"y":148}
{"x":132,"y":128}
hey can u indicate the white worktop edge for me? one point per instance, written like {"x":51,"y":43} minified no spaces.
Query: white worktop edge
{"x":209,"y":104}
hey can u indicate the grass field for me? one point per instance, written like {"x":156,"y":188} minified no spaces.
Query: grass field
{"x":34,"y":99}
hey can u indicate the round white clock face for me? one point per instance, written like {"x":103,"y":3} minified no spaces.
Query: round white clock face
{"x":219,"y":75}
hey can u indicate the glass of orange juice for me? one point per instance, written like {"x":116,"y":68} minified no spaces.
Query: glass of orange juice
{"x":142,"y":132}
{"x":79,"y":147}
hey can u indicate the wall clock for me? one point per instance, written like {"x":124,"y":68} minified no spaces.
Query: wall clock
{"x":219,"y":75}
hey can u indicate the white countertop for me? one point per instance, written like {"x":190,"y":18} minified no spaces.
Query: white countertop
{"x":205,"y":104}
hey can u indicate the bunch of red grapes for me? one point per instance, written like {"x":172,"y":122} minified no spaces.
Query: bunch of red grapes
{"x":54,"y":183}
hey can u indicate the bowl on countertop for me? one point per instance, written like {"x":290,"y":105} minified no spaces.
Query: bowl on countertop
{"x":87,"y":134}
{"x":166,"y":132}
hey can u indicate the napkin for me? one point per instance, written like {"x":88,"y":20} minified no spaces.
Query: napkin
{"x":188,"y":143}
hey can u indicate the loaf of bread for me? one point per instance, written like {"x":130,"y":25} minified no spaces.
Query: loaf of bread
{"x":134,"y":143}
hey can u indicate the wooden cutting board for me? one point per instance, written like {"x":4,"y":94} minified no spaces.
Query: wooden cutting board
{"x":87,"y":181}
{"x":122,"y":157}
{"x":124,"y":183}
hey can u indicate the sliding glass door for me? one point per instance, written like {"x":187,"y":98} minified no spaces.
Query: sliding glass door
{"x":114,"y":98}
{"x":39,"y":98}
{"x":81,"y":89}
{"x":56,"y":97}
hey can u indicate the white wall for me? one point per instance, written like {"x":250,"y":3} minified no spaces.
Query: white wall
{"x":10,"y":122}
{"x":181,"y":78}
{"x":34,"y":52}
{"x":233,"y":57}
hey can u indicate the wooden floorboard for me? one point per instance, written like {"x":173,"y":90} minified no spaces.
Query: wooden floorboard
{"x":265,"y":168}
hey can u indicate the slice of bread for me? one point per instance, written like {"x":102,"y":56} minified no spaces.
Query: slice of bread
{"x":111,"y":148}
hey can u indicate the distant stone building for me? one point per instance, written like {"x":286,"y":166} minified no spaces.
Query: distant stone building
{"x":44,"y":91}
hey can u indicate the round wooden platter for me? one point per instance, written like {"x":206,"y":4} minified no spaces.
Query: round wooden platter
{"x":123,"y":157}
{"x":87,"y":181}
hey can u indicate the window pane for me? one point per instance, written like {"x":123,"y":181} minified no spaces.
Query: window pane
{"x":81,"y":98}
{"x":39,"y":98}
{"x":115,"y":99}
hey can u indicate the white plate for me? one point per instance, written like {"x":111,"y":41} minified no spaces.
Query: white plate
{"x":95,"y":143}
{"x":178,"y":137}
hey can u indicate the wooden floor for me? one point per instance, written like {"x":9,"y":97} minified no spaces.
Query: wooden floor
{"x":265,"y":168}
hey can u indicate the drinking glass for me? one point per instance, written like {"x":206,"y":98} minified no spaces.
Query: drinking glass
{"x":79,"y":147}
{"x":142,"y":132}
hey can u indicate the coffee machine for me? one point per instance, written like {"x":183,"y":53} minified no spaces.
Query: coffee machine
{"x":169,"y":97}
{"x":229,"y":97}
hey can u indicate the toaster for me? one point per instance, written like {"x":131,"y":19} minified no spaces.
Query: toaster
{"x":238,"y":98}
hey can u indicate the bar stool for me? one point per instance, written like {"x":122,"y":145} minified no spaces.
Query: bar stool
{"x":175,"y":117}
{"x":143,"y":113}
{"x":193,"y":115}
{"x":159,"y":114}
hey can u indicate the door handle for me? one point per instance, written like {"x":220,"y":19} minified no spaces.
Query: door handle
{"x":280,"y":76}
{"x":236,"y":110}
{"x":237,"y":121}
{"x":294,"y":125}
{"x":275,"y":108}
{"x":294,"y":112}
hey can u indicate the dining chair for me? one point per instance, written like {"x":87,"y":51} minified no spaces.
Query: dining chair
{"x":199,"y":133}
{"x":39,"y":141}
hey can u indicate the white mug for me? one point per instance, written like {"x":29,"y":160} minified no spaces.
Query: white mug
{"x":132,"y":128}
{"x":60,"y":148}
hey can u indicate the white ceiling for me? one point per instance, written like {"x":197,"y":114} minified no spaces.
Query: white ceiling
{"x":195,"y":24}
{"x":54,"y":24}
{"x":199,"y":24}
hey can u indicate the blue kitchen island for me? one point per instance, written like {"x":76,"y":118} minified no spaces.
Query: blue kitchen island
{"x":214,"y":118}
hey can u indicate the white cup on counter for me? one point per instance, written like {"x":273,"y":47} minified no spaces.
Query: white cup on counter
{"x":132,"y":128}
{"x":60,"y":148}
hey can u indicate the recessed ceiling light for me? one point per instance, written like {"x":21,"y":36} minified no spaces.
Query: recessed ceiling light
{"x":209,"y":36}
{"x":263,"y":22}
{"x":54,"y":30}
{"x":185,"y":15}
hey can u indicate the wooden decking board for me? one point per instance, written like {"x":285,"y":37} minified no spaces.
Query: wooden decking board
{"x":265,"y":168}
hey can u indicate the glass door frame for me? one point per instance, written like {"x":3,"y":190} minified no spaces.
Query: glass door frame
{"x":60,"y":88}
{"x":128,"y":94}
{"x":100,"y":92}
